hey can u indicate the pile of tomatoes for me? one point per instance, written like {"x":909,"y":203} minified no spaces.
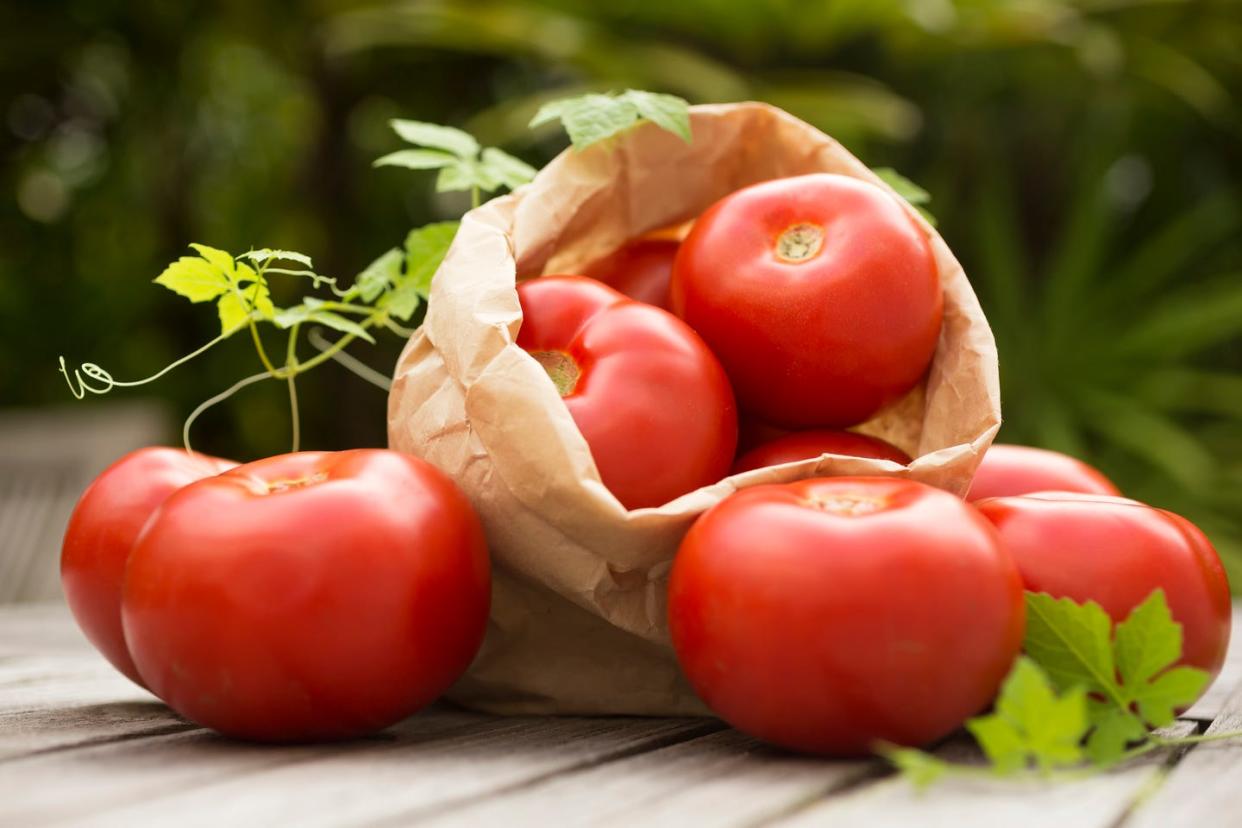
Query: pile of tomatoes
{"x":316,"y":596}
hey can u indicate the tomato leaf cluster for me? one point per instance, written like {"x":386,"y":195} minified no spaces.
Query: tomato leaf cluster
{"x":1085,"y":691}
{"x":462,"y":162}
{"x":591,"y":118}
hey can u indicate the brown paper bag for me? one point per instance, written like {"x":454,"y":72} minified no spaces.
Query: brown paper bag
{"x":578,"y":613}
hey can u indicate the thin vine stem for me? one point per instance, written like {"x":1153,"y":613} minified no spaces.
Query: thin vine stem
{"x":350,"y":362}
{"x":1190,"y":740}
{"x":291,"y":365}
{"x":398,"y":329}
{"x":218,"y":398}
{"x":94,"y":372}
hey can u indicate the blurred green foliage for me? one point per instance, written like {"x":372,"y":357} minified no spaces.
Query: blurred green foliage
{"x":1085,"y":161}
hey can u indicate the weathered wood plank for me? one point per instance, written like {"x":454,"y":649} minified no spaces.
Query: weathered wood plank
{"x":1229,"y":680}
{"x":1094,"y":802}
{"x":724,"y":778}
{"x":430,"y":760}
{"x":1204,"y":789}
{"x":40,"y":628}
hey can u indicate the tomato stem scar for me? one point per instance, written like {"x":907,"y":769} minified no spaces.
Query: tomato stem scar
{"x":849,"y":505}
{"x":561,"y":367}
{"x":799,"y":242}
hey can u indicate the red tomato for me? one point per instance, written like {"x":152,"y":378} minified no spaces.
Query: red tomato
{"x":1116,"y":552}
{"x":101,"y":532}
{"x":819,"y":294}
{"x":828,"y":614}
{"x":652,"y":402}
{"x":640,"y":269}
{"x":308,"y":596}
{"x":1017,"y":470}
{"x":806,"y":445}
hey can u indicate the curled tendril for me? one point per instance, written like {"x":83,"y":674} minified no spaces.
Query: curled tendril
{"x":92,"y":371}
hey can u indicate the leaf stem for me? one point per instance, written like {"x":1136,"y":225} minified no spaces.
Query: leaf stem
{"x":218,"y":398}
{"x":474,"y":197}
{"x":398,"y":329}
{"x":291,"y":366}
{"x":94,"y":372}
{"x":1202,"y":737}
{"x":349,"y":362}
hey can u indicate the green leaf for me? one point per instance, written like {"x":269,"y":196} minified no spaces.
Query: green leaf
{"x":218,"y":258}
{"x":1071,"y":642}
{"x":1114,"y":729}
{"x":465,"y":175}
{"x":919,"y":768}
{"x":450,"y":139}
{"x":264,"y":255}
{"x":425,"y":248}
{"x":1032,"y":723}
{"x":1147,"y":641}
{"x":313,"y":311}
{"x":241,"y":304}
{"x":194,"y":278}
{"x":908,"y":190}
{"x":379,"y":275}
{"x":1177,"y":688}
{"x":668,"y":112}
{"x":509,"y":171}
{"x":593,"y":117}
{"x":416,"y":159}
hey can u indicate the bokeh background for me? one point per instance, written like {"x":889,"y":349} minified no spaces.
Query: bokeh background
{"x":1084,"y":158}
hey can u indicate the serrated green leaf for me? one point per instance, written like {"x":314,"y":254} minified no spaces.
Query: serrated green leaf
{"x":266,"y":254}
{"x":221,"y":260}
{"x":1177,"y":688}
{"x":1147,"y":641}
{"x":1001,"y":742}
{"x":416,"y":159}
{"x":425,"y":248}
{"x":456,"y":141}
{"x":241,"y":304}
{"x":194,"y":278}
{"x":1114,"y":729}
{"x":509,"y":171}
{"x":379,"y":275}
{"x":465,"y":175}
{"x":665,"y":111}
{"x":919,"y":768}
{"x":1071,"y":642}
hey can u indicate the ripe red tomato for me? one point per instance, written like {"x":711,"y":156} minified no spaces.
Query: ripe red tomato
{"x":805,"y":445}
{"x":819,"y":294}
{"x":830,"y":613}
{"x":101,"y":532}
{"x":1009,"y":470}
{"x":308,"y":596}
{"x":652,"y":402}
{"x":1116,"y":552}
{"x":640,"y":269}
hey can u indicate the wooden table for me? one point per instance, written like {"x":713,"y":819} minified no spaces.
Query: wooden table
{"x":79,"y":744}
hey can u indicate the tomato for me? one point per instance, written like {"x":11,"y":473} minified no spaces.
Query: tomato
{"x":1009,"y":470}
{"x":640,"y":269}
{"x":806,"y":445}
{"x":819,"y":294}
{"x":1116,"y":552}
{"x":308,"y":596}
{"x":827,"y":614}
{"x":101,"y":532}
{"x":652,"y":402}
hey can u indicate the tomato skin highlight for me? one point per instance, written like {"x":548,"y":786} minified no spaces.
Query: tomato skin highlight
{"x":101,"y":533}
{"x":1010,"y":470}
{"x":808,"y":445}
{"x":641,"y":269}
{"x":651,"y":400}
{"x":1116,"y":552}
{"x":827,"y":614}
{"x":818,"y":331}
{"x":309,"y":596}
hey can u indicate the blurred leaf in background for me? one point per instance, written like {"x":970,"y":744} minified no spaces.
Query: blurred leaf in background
{"x":1084,"y":159}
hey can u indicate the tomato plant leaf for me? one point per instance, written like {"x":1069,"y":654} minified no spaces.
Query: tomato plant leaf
{"x":1032,"y":723}
{"x":425,"y":248}
{"x":1113,"y":729}
{"x":242,"y":304}
{"x":465,"y":175}
{"x":1147,"y":641}
{"x":315,"y":311}
{"x":267,"y":255}
{"x":378,"y":276}
{"x":921,"y":769}
{"x":1071,"y":642}
{"x":194,"y":278}
{"x":503,"y":167}
{"x":590,"y":118}
{"x":416,"y":159}
{"x":908,"y":190}
{"x":450,"y":139}
{"x":218,"y":258}
{"x":1158,"y":699}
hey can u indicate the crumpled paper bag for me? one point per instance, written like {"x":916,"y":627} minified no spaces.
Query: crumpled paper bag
{"x":578,"y":614}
